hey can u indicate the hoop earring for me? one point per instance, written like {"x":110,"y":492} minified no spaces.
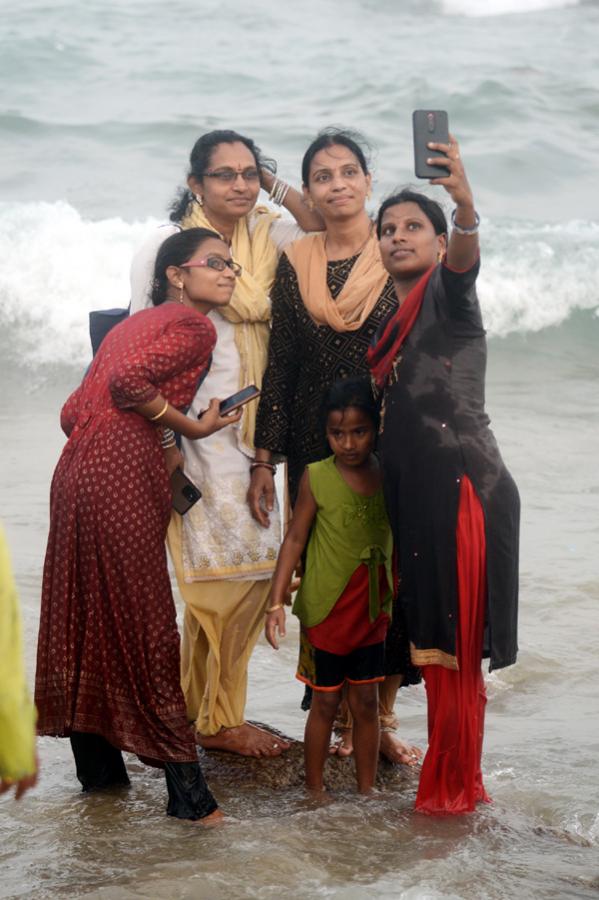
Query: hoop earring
{"x":199,"y":199}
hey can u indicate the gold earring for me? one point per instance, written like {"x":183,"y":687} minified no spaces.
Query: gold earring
{"x":369,"y":194}
{"x":199,"y":199}
{"x":180,"y":286}
{"x":310,"y":203}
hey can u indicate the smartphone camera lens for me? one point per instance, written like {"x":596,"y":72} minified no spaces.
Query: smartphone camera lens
{"x":189,"y":493}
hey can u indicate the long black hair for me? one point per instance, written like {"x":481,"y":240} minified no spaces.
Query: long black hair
{"x":200,"y":159}
{"x":176,"y":250}
{"x":330,"y":137}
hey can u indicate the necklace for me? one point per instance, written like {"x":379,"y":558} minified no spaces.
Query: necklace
{"x":355,"y":252}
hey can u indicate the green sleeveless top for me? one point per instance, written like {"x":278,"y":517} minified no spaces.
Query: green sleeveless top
{"x":348,"y":530}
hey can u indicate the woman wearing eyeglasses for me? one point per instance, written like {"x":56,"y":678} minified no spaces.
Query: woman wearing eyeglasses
{"x":223,"y":559}
{"x":108,"y":662}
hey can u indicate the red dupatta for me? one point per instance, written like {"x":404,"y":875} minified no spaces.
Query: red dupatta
{"x":382,"y":354}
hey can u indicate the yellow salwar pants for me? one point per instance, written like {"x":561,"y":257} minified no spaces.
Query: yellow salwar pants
{"x":222,"y":622}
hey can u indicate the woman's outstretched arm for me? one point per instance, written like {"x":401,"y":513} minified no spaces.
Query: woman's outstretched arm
{"x":463,"y":247}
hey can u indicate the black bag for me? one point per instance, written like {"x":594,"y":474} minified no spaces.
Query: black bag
{"x":100,"y":323}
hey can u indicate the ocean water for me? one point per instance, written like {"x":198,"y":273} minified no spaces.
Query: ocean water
{"x":100,"y":104}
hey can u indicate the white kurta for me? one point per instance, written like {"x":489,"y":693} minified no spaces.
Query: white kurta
{"x":220,"y":539}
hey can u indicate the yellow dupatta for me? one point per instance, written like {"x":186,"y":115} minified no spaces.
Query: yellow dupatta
{"x":359,"y":294}
{"x":249,"y":309}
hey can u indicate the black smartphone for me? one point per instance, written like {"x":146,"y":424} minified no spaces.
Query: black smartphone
{"x":185,"y":493}
{"x":236,"y":400}
{"x":429,"y":125}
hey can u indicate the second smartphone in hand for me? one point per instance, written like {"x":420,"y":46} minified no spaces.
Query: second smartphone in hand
{"x":240,"y":398}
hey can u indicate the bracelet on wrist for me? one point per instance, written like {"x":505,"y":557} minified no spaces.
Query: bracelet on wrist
{"x":274,"y":608}
{"x":160,"y":414}
{"x":459,"y":229}
{"x":168,"y":438}
{"x":258,"y":464}
{"x":278,"y":192}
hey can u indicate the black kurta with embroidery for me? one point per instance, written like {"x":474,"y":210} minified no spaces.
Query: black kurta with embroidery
{"x":304,"y":360}
{"x":435,"y":430}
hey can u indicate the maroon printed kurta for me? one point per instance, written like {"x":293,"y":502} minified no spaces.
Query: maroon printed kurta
{"x":108,"y":647}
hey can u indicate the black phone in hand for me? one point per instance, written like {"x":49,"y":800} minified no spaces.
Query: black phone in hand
{"x":429,"y":125}
{"x":185,"y":493}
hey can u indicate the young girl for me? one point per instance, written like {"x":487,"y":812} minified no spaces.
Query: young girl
{"x":347,"y":588}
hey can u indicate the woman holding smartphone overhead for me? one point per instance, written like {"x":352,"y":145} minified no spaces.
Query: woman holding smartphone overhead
{"x":108,"y":650}
{"x":223,"y":559}
{"x":452,"y":504}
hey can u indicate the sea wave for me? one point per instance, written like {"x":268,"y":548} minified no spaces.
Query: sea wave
{"x":476,"y":9}
{"x":57,"y":266}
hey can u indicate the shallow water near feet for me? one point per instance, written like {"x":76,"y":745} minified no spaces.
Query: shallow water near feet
{"x":102,"y":102}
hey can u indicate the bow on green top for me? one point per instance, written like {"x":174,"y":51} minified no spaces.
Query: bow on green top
{"x":374,"y":556}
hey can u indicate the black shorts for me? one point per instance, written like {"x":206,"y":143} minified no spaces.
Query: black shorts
{"x":324,"y":671}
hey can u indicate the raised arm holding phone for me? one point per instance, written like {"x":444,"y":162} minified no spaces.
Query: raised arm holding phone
{"x":452,"y":504}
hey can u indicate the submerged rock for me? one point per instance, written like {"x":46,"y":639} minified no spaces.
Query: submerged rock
{"x":287,"y":770}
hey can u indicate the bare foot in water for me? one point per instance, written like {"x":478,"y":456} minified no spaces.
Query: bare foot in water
{"x":396,"y":751}
{"x":211,"y":821}
{"x":318,"y":794}
{"x":246,"y":739}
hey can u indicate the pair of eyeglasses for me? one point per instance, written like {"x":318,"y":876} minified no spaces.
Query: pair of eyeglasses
{"x":229,"y":175}
{"x":213,"y":262}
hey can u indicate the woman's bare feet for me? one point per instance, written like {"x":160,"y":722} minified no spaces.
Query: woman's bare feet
{"x":345,"y":741}
{"x":246,"y":739}
{"x":215,"y":818}
{"x":316,"y":791}
{"x":396,"y":751}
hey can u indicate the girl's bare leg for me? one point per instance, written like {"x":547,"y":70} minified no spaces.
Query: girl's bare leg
{"x":364,"y":705}
{"x":317,"y":736}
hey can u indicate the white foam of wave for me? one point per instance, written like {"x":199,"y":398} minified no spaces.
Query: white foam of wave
{"x":479,"y":8}
{"x":534,"y":275}
{"x":56,"y":266}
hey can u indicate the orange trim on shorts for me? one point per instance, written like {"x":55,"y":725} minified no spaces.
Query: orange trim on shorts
{"x":315,"y":687}
{"x":338,"y":687}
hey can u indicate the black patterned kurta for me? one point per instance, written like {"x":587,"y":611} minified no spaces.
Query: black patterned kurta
{"x":304,"y":360}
